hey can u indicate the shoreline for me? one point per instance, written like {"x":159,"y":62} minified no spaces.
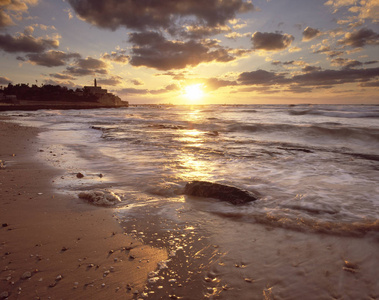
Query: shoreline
{"x":56,"y":246}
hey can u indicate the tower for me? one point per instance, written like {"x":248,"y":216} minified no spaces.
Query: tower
{"x":95,"y":83}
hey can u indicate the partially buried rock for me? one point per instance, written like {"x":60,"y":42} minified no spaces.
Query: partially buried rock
{"x":222,"y":192}
{"x":101,"y":198}
{"x":79,"y":175}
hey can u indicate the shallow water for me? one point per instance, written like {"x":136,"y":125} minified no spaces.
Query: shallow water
{"x":315,"y":169}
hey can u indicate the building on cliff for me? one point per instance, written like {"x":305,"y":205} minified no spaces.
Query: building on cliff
{"x":102,"y":96}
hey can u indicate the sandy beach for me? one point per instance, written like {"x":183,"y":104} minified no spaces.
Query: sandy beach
{"x":54,"y":246}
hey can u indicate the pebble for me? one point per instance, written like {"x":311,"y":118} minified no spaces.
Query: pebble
{"x":58,"y":278}
{"x":26,"y":275}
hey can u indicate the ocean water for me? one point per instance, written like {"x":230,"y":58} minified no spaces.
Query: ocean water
{"x":315,"y":169}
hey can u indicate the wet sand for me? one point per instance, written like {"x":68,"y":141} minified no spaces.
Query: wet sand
{"x":54,"y":245}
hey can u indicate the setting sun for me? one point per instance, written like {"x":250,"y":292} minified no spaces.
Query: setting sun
{"x":194,"y":92}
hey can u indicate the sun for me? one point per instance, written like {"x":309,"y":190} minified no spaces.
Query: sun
{"x":194,"y":92}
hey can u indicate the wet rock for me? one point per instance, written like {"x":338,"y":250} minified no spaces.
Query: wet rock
{"x":222,"y":192}
{"x":101,"y":198}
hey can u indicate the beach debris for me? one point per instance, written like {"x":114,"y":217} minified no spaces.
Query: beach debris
{"x":250,"y":280}
{"x":350,"y":267}
{"x":222,"y":192}
{"x":64,"y":249}
{"x":2,"y":165}
{"x":100,"y":198}
{"x":26,"y":275}
{"x":79,"y":175}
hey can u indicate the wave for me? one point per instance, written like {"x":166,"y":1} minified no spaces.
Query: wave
{"x":310,"y":131}
{"x":335,"y":114}
{"x":284,"y":220}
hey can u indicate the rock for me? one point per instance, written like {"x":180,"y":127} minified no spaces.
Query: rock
{"x":79,"y":175}
{"x":222,"y":192}
{"x":101,"y":198}
{"x":4,"y":295}
{"x":26,"y":275}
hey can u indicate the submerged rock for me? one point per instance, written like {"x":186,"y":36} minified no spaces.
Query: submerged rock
{"x":101,"y":198}
{"x":222,"y":192}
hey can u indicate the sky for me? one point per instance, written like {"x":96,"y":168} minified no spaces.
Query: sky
{"x":197,"y":51}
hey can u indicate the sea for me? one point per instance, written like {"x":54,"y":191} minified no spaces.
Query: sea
{"x":313,"y":232}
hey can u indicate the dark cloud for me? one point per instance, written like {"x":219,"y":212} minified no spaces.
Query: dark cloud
{"x":5,"y":80}
{"x":62,"y":76}
{"x":69,"y":84}
{"x":212,"y":84}
{"x":87,"y":66}
{"x":333,"y":77}
{"x":261,"y":77}
{"x":346,"y":63}
{"x":270,"y":41}
{"x":151,"y":14}
{"x":113,"y":81}
{"x":360,"y":38}
{"x":51,"y":58}
{"x":310,"y":80}
{"x":310,"y":33}
{"x":153,"y":50}
{"x":26,"y":43}
{"x":119,"y":57}
{"x":311,"y":69}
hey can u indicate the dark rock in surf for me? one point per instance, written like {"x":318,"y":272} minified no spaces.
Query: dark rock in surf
{"x":222,"y":192}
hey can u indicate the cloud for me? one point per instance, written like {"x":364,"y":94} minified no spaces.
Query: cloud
{"x":87,"y":66}
{"x":310,"y":33}
{"x":26,"y":43}
{"x":365,"y":10}
{"x":261,"y":77}
{"x":167,"y":89}
{"x":5,"y":19}
{"x":5,"y":80}
{"x":113,"y":81}
{"x":118,"y":57}
{"x":62,"y":76}
{"x":212,"y":84}
{"x":51,"y":58}
{"x":360,"y":38}
{"x":8,"y":6}
{"x":346,"y":63}
{"x":143,"y":14}
{"x":270,"y":41}
{"x":333,"y":77}
{"x":200,"y":31}
{"x":128,"y":91}
{"x":137,"y":81}
{"x":314,"y":78}
{"x":153,"y":50}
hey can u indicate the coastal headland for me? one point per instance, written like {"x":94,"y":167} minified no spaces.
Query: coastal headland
{"x":28,"y":98}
